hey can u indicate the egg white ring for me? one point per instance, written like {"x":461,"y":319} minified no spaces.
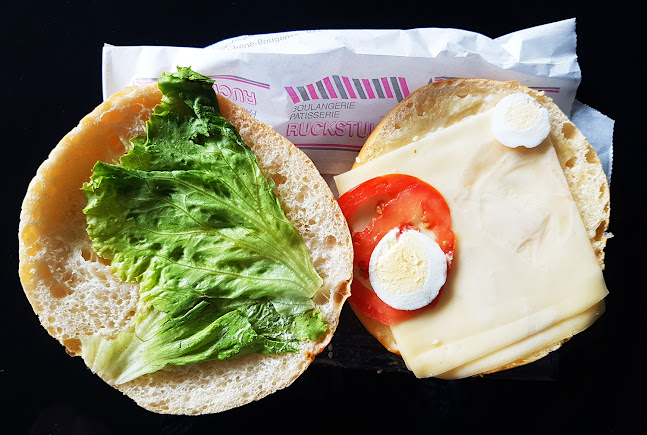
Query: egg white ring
{"x":428,"y":290}
{"x":529,"y":137}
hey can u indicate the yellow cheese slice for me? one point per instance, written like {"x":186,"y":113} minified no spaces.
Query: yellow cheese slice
{"x":545,"y":340}
{"x":523,"y":263}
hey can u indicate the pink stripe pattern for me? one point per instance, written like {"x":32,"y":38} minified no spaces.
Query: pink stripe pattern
{"x":312,"y":92}
{"x":329,"y":88}
{"x":403,"y":86}
{"x":356,"y":88}
{"x":292,"y":94}
{"x":387,"y":88}
{"x":368,"y":88}
{"x":349,"y":88}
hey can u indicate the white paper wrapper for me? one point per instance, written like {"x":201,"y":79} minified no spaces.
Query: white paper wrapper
{"x":325,"y":90}
{"x":598,"y":130}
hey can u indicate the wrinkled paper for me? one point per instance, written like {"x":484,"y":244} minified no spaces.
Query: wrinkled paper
{"x":326,"y":90}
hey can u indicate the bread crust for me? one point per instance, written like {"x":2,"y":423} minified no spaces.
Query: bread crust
{"x":441,"y":104}
{"x":74,"y":293}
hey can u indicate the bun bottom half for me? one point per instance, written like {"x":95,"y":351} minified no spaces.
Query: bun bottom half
{"x":75,"y":294}
{"x":439,"y":105}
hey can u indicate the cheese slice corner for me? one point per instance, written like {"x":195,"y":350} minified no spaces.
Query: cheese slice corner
{"x":524,"y":275}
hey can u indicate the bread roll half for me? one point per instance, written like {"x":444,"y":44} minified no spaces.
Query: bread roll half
{"x":74,"y":293}
{"x":442,"y":104}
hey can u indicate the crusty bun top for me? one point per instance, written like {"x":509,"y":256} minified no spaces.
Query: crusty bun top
{"x":74,"y":293}
{"x":441,"y":104}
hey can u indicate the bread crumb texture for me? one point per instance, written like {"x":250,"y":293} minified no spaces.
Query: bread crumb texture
{"x":70,"y":288}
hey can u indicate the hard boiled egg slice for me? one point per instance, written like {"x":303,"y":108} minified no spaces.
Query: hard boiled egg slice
{"x":519,"y":120}
{"x":407,"y":269}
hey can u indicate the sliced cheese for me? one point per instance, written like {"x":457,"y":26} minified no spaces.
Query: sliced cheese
{"x":523,"y":262}
{"x":547,"y":339}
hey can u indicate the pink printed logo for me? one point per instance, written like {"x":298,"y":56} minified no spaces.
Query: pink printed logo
{"x":350,"y":88}
{"x":234,"y":88}
{"x":238,"y":89}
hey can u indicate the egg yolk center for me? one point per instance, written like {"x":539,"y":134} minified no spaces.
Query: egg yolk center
{"x":402,"y":266}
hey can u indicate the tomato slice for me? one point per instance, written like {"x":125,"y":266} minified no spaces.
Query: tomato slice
{"x":397,"y":201}
{"x":369,"y":303}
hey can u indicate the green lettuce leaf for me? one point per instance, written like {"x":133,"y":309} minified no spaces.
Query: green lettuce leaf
{"x":189,"y":216}
{"x":208,"y":331}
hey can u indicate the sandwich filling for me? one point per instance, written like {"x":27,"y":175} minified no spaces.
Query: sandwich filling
{"x":524,"y":275}
{"x":407,"y":269}
{"x":189,"y":216}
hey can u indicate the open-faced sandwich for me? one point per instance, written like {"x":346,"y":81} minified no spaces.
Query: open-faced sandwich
{"x":479,"y":217}
{"x":192,"y":256}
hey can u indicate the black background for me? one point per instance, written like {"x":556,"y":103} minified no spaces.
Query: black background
{"x":51,"y":77}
